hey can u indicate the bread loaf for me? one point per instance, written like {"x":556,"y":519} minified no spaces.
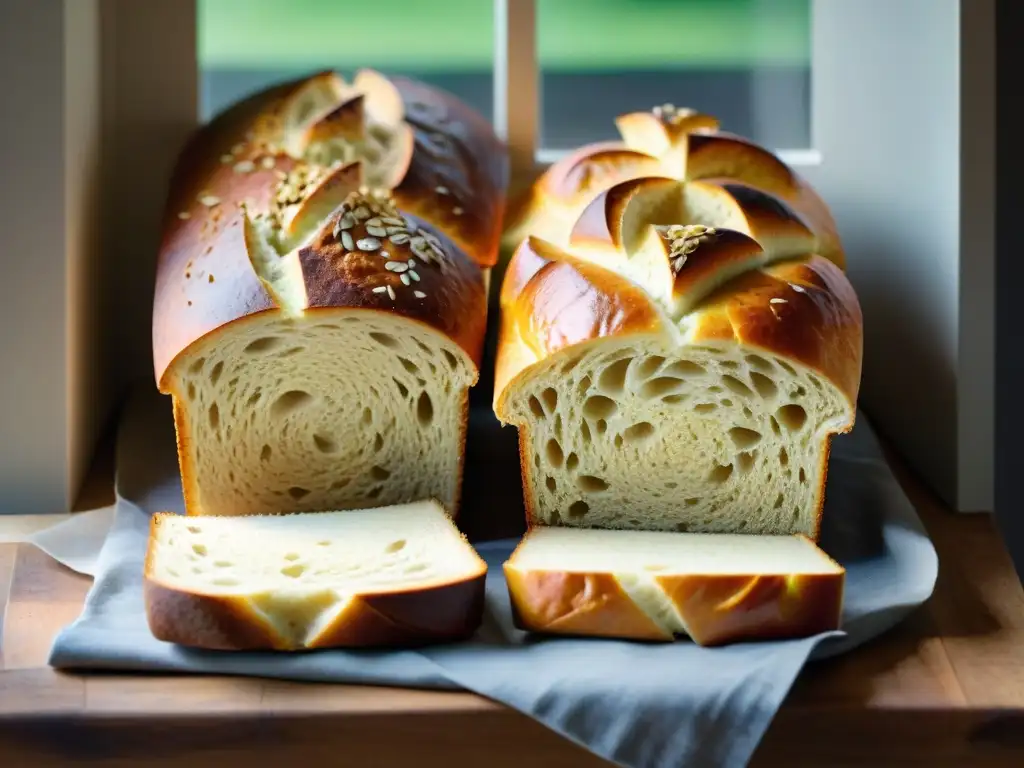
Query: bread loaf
{"x":395,"y":576}
{"x":642,"y":585}
{"x":677,"y":354}
{"x":320,"y":299}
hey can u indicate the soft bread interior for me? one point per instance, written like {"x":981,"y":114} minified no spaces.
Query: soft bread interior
{"x":634,"y":552}
{"x":298,"y":572}
{"x":644,"y":434}
{"x":332,"y":409}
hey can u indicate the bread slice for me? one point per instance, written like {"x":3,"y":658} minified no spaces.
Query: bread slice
{"x":651,"y":585}
{"x":395,"y":576}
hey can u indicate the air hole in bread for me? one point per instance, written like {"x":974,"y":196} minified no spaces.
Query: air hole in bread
{"x":759,"y":363}
{"x":817,"y":383}
{"x":378,"y":442}
{"x":214,"y":414}
{"x":650,"y":366}
{"x":583,"y":386}
{"x":736,"y":386}
{"x":225,"y":581}
{"x":601,"y":426}
{"x":402,"y":389}
{"x":263,"y":345}
{"x":378,"y":472}
{"x":714,"y":388}
{"x":298,"y":492}
{"x":720,"y":474}
{"x":779,"y":500}
{"x":663,"y":385}
{"x":194,"y":529}
{"x":254,"y":398}
{"x":599,"y":407}
{"x":197,"y":365}
{"x":745,"y":460}
{"x":799,"y":392}
{"x":291,"y":557}
{"x":618,"y":441}
{"x":294,"y":571}
{"x":569,"y":366}
{"x":395,"y":546}
{"x":591,"y":484}
{"x":337,"y":485}
{"x":783,"y":456}
{"x":536,"y":409}
{"x":329,"y":327}
{"x":765,"y":387}
{"x":572,"y":461}
{"x":705,"y":407}
{"x":536,"y":460}
{"x":685,"y":368}
{"x":325,"y":443}
{"x":550,"y":398}
{"x":671,"y":484}
{"x":792,"y":417}
{"x":265,"y":453}
{"x":578,"y":510}
{"x":200,"y":549}
{"x":585,"y":433}
{"x":729,"y":365}
{"x":375,"y":492}
{"x":727,"y":402}
{"x":613,"y":378}
{"x":367,"y":416}
{"x":786,"y":367}
{"x":691,"y":502}
{"x":674,"y":399}
{"x":324,"y":543}
{"x":802,"y":476}
{"x":415,"y":568}
{"x":744,"y":438}
{"x":424,"y":410}
{"x":191,"y":391}
{"x":550,"y":483}
{"x":554,"y":453}
{"x":453,"y":362}
{"x":290,"y":401}
{"x":222,"y":564}
{"x":558,"y":425}
{"x":384,"y":339}
{"x":409,"y":365}
{"x":292,"y":352}
{"x":639,"y":432}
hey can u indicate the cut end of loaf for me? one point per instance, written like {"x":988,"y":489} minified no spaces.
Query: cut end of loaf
{"x":333,"y":409}
{"x":361,"y":577}
{"x":637,"y":435}
{"x":649,"y":585}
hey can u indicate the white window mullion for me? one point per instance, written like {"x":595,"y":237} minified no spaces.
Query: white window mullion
{"x":516,"y":84}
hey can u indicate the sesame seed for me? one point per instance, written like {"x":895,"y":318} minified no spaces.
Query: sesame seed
{"x":405,"y":279}
{"x":384,"y":254}
{"x":798,"y":288}
{"x":209,"y":200}
{"x":391,"y":292}
{"x":184,"y":215}
{"x":457,"y":211}
{"x":419,"y":294}
{"x":380,"y":289}
{"x":245,"y":166}
{"x":347,"y":241}
{"x":368,"y":244}
{"x":777,"y":301}
{"x":441,"y":190}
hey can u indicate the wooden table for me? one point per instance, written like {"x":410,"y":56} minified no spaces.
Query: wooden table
{"x":946,"y":688}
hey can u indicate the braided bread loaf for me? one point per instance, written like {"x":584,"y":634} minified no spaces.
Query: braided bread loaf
{"x":320,"y":302}
{"x":678,"y":339}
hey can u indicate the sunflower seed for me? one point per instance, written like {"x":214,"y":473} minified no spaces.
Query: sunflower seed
{"x":798,"y":288}
{"x":395,"y":230}
{"x":347,"y":221}
{"x":384,"y":254}
{"x":391,"y":292}
{"x":368,"y":244}
{"x":414,"y":275}
{"x":380,"y":289}
{"x":245,"y":166}
{"x":396,"y":266}
{"x":777,"y":301}
{"x":405,"y":279}
{"x":376,"y":231}
{"x":419,"y":294}
{"x":347,"y":241}
{"x":399,"y":238}
{"x":209,"y":200}
{"x":441,"y":190}
{"x":393,"y":221}
{"x":411,"y":225}
{"x":362,"y":212}
{"x":374,"y":222}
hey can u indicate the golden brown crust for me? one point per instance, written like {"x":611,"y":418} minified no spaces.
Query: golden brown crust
{"x":716,"y":609}
{"x":585,"y":604}
{"x":205,"y":276}
{"x":437,"y":613}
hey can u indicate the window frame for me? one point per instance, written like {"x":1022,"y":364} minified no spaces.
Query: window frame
{"x":127,"y":88}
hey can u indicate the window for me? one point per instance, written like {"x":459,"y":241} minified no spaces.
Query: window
{"x":246,"y":45}
{"x":745,"y":61}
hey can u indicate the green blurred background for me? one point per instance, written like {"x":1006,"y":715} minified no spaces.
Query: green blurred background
{"x":746,"y":61}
